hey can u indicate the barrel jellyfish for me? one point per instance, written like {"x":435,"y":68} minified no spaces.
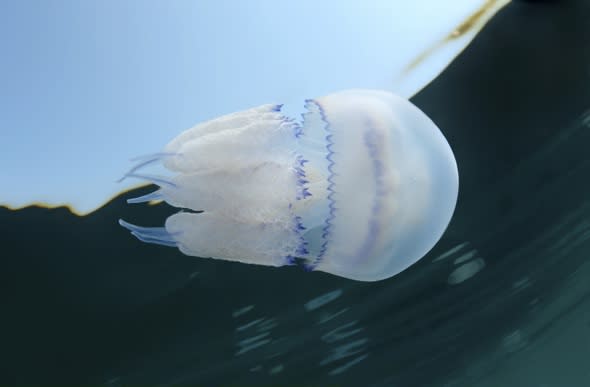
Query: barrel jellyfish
{"x":362,"y":187}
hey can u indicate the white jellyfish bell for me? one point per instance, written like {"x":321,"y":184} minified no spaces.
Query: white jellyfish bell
{"x":362,"y":188}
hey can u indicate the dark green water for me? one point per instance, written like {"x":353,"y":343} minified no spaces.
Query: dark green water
{"x":502,"y":300}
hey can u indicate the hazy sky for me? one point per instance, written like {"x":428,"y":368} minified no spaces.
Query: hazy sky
{"x":87,"y":85}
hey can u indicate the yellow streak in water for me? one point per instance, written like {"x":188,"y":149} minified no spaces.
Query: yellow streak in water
{"x":473,"y":24}
{"x":72,"y":209}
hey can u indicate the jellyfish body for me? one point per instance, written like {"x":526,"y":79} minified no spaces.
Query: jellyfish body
{"x":362,"y":188}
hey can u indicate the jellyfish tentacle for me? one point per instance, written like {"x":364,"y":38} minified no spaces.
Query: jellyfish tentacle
{"x":156,"y":195}
{"x":154,"y":179}
{"x":146,"y":160}
{"x":154,"y":156}
{"x":156,"y":235}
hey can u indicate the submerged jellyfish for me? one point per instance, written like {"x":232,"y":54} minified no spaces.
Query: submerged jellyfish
{"x":362,"y":188}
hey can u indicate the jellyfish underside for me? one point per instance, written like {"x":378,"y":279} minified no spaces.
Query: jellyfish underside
{"x":362,"y":187}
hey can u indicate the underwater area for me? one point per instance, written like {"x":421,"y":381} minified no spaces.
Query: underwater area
{"x":503,"y":299}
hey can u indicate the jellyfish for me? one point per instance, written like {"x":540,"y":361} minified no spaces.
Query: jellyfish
{"x":362,"y":187}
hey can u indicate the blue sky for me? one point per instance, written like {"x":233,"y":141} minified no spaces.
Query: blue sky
{"x":87,"y":85}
